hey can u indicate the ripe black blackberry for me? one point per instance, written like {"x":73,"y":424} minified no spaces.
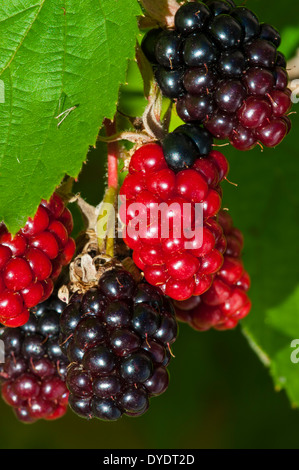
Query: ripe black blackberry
{"x":185,"y":145}
{"x":33,"y":375}
{"x":223,"y":69}
{"x":117,"y":337}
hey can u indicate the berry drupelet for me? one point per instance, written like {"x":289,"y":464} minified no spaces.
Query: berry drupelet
{"x":165,"y":243}
{"x":33,"y":375}
{"x":32,"y":260}
{"x":226,"y":302}
{"x":223,"y":69}
{"x":117,"y":337}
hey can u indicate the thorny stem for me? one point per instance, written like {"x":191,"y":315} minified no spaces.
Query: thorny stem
{"x":113,"y":155}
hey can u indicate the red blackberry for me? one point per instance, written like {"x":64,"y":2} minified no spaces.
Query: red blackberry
{"x":164,"y":242}
{"x":221,"y":66}
{"x":34,"y":372}
{"x":226,"y":302}
{"x":117,"y":337}
{"x":32,"y":260}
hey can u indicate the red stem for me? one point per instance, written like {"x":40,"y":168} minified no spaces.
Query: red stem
{"x":113,"y":155}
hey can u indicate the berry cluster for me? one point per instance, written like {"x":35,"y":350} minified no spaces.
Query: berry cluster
{"x":170,"y":255}
{"x":226,"y":302}
{"x":222,"y":67}
{"x":33,"y":375}
{"x":32,"y":260}
{"x":117,"y":337}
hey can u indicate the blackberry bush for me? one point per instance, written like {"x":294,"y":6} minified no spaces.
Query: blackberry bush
{"x":226,"y":302}
{"x":117,"y":337}
{"x":32,"y":260}
{"x":34,"y":372}
{"x":222,"y":67}
{"x":161,"y":254}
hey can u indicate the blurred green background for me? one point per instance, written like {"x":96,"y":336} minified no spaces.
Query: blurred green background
{"x":220,"y":395}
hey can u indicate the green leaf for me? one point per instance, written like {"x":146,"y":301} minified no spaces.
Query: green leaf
{"x":64,"y":58}
{"x":265,"y":206}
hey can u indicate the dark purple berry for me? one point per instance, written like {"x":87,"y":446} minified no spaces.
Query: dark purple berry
{"x":74,"y":353}
{"x":231,"y":64}
{"x":48,"y":324}
{"x":230,"y":95}
{"x":31,"y":325}
{"x":89,"y":333}
{"x":43,"y":367}
{"x":81,"y":406}
{"x":105,"y":380}
{"x":136,"y":368}
{"x":261,"y":53}
{"x":191,"y":17}
{"x":248,"y":21}
{"x":258,"y":81}
{"x":179,"y":151}
{"x":26,"y":386}
{"x":170,"y":81}
{"x":124,"y":342}
{"x":227,"y":32}
{"x":105,"y":409}
{"x":155,"y":349}
{"x":13,"y":367}
{"x":33,"y":346}
{"x":281,"y":60}
{"x":98,"y":361}
{"x":200,"y":80}
{"x":224,"y":57}
{"x":281,"y":78}
{"x":168,"y":50}
{"x":34,"y":372}
{"x":13,"y":339}
{"x":199,"y":50}
{"x":105,"y":387}
{"x":150,"y":295}
{"x":145,"y":320}
{"x":54,"y":350}
{"x":117,"y":315}
{"x":218,"y":7}
{"x":243,"y":138}
{"x":269,"y":33}
{"x":158,"y":382}
{"x":70,"y":319}
{"x":79,"y":383}
{"x":202,"y":140}
{"x":167,"y":331}
{"x":221,"y":125}
{"x":134,"y":399}
{"x":23,"y":415}
{"x":93,"y":302}
{"x":148,"y":44}
{"x":117,"y":285}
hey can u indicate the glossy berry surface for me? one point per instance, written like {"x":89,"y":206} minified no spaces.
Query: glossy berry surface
{"x":226,"y":302}
{"x":187,"y":143}
{"x":32,"y":260}
{"x":124,"y":343}
{"x":32,"y":378}
{"x":218,"y":59}
{"x":178,"y":247}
